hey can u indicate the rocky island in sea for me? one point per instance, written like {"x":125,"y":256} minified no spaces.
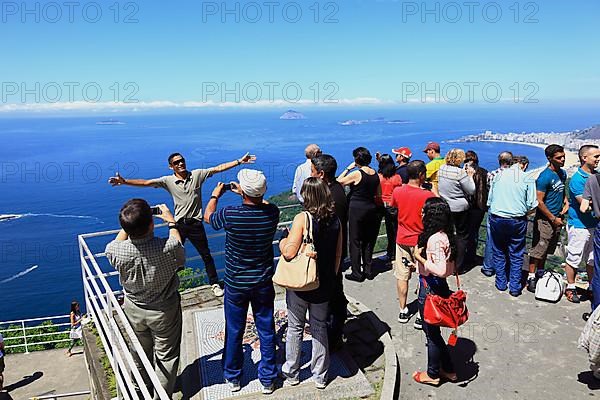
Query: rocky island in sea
{"x":291,"y":114}
{"x":351,"y":122}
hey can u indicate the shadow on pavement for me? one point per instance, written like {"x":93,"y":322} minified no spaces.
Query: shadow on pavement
{"x":587,"y":378}
{"x":23,"y":382}
{"x":467,"y":369}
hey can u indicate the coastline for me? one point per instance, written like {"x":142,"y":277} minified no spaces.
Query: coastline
{"x":571,"y":157}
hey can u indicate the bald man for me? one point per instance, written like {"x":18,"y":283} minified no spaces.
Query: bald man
{"x":303,"y":170}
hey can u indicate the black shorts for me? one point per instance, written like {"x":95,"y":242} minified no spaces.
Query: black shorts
{"x":1,"y":365}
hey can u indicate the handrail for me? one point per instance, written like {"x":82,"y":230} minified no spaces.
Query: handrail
{"x":27,"y":337}
{"x":59,"y":396}
{"x":104,"y":309}
{"x":18,"y":321}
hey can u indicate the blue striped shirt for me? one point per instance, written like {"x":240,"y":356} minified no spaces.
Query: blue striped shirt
{"x":249,"y":244}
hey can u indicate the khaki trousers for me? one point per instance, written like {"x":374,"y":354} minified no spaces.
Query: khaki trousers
{"x":159,"y":333}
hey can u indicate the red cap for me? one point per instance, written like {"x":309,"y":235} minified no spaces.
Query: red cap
{"x":403,"y":151}
{"x":432,"y":146}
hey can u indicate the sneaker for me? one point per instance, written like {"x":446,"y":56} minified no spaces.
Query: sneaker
{"x":290,"y":380}
{"x":355,"y":277}
{"x":403,"y":317}
{"x":487,"y":273}
{"x":320,"y":385}
{"x":418,"y":324}
{"x":268,"y":389}
{"x":515,"y":294}
{"x":531,"y":283}
{"x":571,"y":295}
{"x":234,"y":386}
{"x":217,"y":291}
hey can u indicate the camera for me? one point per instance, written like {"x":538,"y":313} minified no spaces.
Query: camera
{"x":227,"y":186}
{"x":284,"y":232}
{"x":156,"y":210}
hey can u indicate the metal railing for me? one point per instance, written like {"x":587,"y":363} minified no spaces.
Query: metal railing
{"x":29,"y":338}
{"x":60,"y":396}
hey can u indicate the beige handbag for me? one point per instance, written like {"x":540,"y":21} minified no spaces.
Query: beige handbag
{"x":300,"y":273}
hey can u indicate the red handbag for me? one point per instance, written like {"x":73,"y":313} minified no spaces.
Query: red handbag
{"x":448,"y":312}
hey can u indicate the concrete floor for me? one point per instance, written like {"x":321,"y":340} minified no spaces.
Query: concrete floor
{"x":511,"y":348}
{"x":43,"y":373}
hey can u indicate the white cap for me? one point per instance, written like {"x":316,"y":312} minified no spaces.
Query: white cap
{"x":252,"y":182}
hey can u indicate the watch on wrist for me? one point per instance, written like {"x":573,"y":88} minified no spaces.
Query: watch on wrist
{"x":214,"y":197}
{"x":172,"y":224}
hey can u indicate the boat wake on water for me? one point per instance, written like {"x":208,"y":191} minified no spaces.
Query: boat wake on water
{"x":10,"y":217}
{"x":20,"y":274}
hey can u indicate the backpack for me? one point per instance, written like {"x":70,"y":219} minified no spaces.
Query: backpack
{"x":549,"y":287}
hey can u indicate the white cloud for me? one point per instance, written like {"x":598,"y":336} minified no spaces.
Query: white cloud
{"x":157,"y":105}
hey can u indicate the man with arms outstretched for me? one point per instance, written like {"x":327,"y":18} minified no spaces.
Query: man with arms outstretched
{"x":186,"y":188}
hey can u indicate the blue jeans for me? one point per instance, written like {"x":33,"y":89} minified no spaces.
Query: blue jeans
{"x":236,"y":308}
{"x":488,"y":262}
{"x":596,"y":278}
{"x":508,"y":249}
{"x":437,"y":350}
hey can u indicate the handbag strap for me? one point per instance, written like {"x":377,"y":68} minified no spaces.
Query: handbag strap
{"x":308,"y":237}
{"x":457,"y":279}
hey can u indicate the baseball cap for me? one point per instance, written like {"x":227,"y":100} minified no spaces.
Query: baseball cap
{"x":432,"y":146}
{"x":403,"y":151}
{"x":252,"y":182}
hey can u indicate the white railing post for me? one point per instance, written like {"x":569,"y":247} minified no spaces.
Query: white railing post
{"x":24,"y":336}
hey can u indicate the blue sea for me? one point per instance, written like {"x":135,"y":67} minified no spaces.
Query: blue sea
{"x":54,"y":172}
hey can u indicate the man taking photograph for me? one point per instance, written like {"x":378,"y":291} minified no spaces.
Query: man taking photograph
{"x":147,"y":267}
{"x":186,"y":188}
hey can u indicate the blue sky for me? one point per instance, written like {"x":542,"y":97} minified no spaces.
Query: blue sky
{"x":376,"y":52}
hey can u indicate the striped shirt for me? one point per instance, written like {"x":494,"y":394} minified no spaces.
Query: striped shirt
{"x":249,"y":243}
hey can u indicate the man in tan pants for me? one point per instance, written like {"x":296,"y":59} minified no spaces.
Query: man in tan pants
{"x":147,"y":267}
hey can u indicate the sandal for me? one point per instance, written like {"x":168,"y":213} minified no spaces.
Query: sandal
{"x":418,"y":377}
{"x":449,"y":376}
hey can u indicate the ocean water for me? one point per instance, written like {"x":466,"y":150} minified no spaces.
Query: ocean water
{"x":54,"y":172}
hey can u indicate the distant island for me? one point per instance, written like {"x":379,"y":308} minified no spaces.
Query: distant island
{"x":378,"y":120}
{"x":291,"y":114}
{"x":110,"y":122}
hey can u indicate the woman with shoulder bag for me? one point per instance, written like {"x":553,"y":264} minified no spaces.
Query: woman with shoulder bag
{"x":435,"y":253}
{"x":327,"y":241}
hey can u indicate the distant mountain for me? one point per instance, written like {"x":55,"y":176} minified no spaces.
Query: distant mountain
{"x":590,"y":133}
{"x":291,"y":114}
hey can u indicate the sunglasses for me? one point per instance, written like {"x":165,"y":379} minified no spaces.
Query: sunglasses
{"x":180,"y":161}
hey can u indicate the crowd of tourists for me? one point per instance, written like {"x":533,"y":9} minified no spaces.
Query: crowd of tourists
{"x":432,"y":212}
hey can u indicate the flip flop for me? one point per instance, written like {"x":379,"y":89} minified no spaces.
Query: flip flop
{"x":417,"y":378}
